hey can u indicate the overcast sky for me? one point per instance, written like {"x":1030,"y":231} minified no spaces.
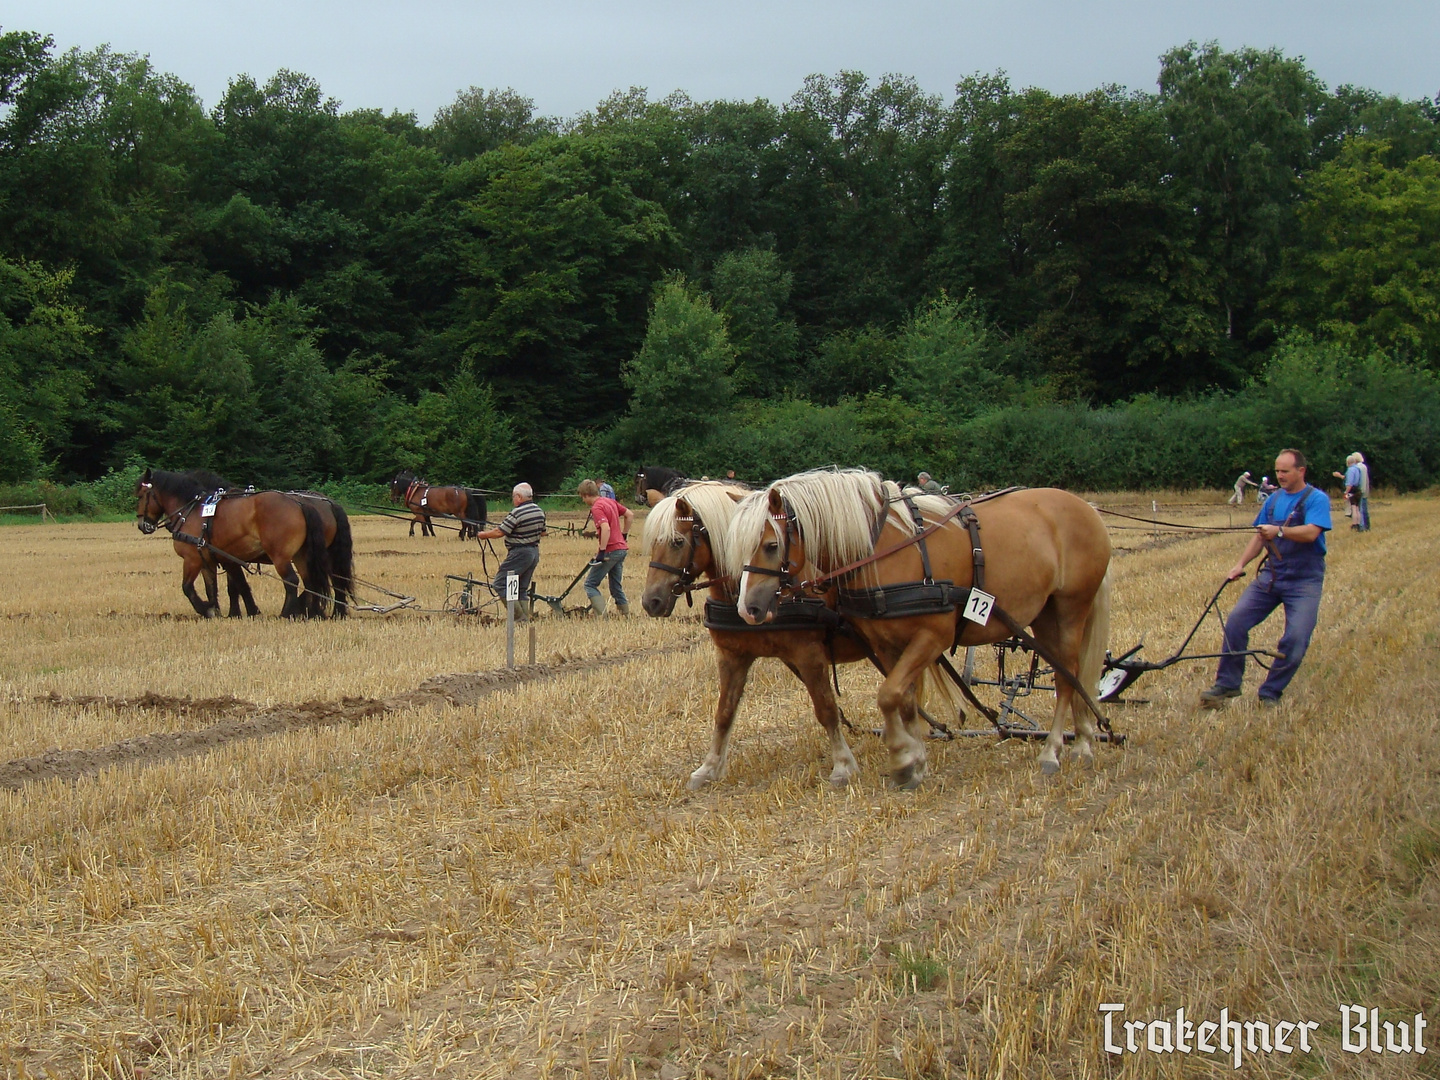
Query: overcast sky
{"x":567,"y":56}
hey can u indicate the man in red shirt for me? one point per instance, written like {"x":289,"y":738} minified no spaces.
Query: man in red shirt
{"x":612,"y":526}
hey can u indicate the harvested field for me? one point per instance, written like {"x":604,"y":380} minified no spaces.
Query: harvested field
{"x":357,"y":849}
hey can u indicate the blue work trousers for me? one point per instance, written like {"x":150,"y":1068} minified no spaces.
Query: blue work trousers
{"x":1301,"y":599}
{"x":611,"y":565}
{"x":521,"y":561}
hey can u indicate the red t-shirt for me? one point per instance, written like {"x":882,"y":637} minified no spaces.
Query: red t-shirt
{"x":608,"y":510}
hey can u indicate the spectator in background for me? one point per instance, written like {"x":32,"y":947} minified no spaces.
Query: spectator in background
{"x":612,"y":524}
{"x":927,"y":485}
{"x":606,"y":491}
{"x":1357,"y":491}
{"x":1241,"y":482}
{"x":1265,"y":489}
{"x":522,"y":530}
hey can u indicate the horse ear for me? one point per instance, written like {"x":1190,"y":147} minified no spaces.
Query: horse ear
{"x":682,"y":508}
{"x":777,"y":504}
{"x":145,"y":478}
{"x":736,"y":495}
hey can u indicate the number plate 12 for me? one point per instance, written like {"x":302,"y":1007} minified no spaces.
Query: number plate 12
{"x":978,"y":607}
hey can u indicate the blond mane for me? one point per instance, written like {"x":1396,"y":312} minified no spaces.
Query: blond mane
{"x":836,"y":509}
{"x":713,"y":500}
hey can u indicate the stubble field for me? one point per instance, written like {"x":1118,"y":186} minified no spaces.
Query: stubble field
{"x":356,"y":849}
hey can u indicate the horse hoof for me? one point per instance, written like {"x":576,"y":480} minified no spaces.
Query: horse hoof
{"x":839,"y":779}
{"x":1049,"y":767}
{"x":699,"y":779}
{"x":908,"y":777}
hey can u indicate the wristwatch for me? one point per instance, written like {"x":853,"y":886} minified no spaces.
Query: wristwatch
{"x":1280,"y":533}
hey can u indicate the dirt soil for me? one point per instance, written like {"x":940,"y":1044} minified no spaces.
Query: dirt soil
{"x":241,"y":720}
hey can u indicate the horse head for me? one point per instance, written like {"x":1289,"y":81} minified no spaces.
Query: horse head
{"x":677,"y":559}
{"x":148,"y":508}
{"x":772,"y":564}
{"x":400,"y":485}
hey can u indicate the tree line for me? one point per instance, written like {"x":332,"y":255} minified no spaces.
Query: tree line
{"x":1105,"y":288}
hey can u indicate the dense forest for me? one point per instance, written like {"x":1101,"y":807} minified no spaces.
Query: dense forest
{"x":1103,"y":289}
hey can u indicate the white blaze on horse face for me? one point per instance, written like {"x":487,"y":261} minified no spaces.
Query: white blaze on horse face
{"x":740,"y":604}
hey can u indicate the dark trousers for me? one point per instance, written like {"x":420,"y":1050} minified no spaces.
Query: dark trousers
{"x":522,"y":561}
{"x":1301,"y":600}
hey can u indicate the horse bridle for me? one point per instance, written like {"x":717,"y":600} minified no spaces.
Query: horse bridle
{"x":172,"y":522}
{"x":786,"y":572}
{"x":685,"y":574}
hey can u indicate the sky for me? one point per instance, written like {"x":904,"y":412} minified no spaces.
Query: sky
{"x":568,"y":56}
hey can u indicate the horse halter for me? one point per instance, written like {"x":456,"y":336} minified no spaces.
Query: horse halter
{"x":687,"y":573}
{"x":786,"y":571}
{"x":143,"y":521}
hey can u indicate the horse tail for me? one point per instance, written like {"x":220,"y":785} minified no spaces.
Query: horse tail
{"x":935,"y":688}
{"x":1096,"y":640}
{"x":475,"y":510}
{"x":342,"y":561}
{"x":317,"y":561}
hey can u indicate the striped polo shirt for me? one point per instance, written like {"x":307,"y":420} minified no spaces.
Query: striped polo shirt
{"x":523,"y":525}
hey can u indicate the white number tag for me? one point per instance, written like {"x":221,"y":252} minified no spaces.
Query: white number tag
{"x":208,"y":510}
{"x":512,"y":587}
{"x":979,"y":606}
{"x":424,"y":500}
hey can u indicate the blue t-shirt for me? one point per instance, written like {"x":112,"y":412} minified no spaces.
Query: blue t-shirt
{"x":1282,"y":508}
{"x":1352,"y":476}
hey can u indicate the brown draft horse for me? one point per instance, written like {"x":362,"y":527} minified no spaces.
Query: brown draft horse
{"x":424,"y":499}
{"x":1048,"y":568}
{"x":687,"y":537}
{"x":339,"y":545}
{"x":268,"y":526}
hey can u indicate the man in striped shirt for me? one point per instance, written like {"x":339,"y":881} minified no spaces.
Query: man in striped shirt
{"x":521,"y":529}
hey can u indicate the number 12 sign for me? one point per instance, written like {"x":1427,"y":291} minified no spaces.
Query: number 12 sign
{"x":978,"y":607}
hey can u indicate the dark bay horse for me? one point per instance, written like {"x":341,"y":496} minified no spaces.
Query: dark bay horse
{"x":237,"y":582}
{"x":654,"y":482}
{"x":423,"y":499}
{"x":1047,"y":568}
{"x":268,"y":526}
{"x":339,"y":545}
{"x":687,"y":537}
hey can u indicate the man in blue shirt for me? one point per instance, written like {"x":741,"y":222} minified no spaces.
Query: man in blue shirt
{"x":1291,"y":525}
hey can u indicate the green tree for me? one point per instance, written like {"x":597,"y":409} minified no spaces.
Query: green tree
{"x":478,"y":121}
{"x":679,"y":381}
{"x":950,"y":361}
{"x":1239,"y":125}
{"x":1366,"y":271}
{"x":45,"y":350}
{"x":752,"y":289}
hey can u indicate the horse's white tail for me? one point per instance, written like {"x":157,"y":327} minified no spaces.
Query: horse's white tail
{"x":935,"y":692}
{"x":1096,"y":641}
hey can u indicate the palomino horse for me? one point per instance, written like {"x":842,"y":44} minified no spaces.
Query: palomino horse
{"x":1048,"y":569}
{"x":654,"y":482}
{"x":424,"y":499}
{"x":268,"y":526}
{"x":687,"y":537}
